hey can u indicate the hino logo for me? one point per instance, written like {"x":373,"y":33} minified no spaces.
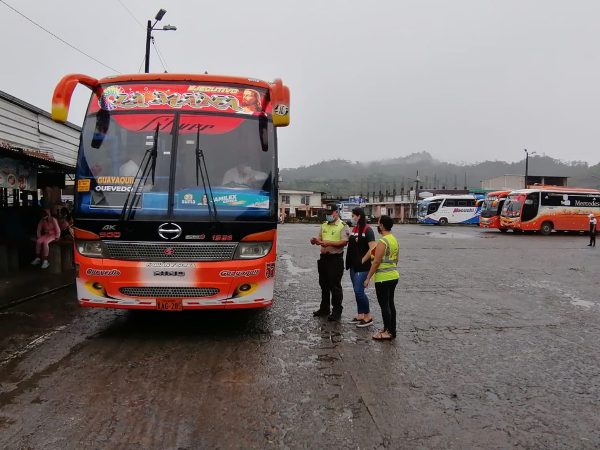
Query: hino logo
{"x":168,"y":273}
{"x":169,"y":231}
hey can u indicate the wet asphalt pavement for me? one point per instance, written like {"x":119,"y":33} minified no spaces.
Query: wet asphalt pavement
{"x":498,"y":347}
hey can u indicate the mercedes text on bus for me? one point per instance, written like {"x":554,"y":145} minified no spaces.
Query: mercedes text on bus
{"x":491,"y":208}
{"x":550,"y":208}
{"x":176,"y":190}
{"x":445,"y":209}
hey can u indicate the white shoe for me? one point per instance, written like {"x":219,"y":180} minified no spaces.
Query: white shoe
{"x":45,"y":264}
{"x":36,"y":262}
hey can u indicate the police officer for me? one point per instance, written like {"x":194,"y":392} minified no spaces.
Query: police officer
{"x":333,"y":237}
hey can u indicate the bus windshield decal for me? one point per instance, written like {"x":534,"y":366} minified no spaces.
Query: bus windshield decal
{"x":249,"y":100}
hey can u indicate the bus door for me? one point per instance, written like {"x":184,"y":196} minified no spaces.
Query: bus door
{"x":448,"y":213}
{"x":433,"y":207}
{"x":530,"y":206}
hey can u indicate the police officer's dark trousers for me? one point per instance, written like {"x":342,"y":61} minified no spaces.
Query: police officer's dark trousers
{"x":331,"y":270}
{"x":592,"y":236}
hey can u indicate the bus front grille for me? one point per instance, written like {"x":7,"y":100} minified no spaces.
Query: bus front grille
{"x":162,"y":251}
{"x":169,"y":292}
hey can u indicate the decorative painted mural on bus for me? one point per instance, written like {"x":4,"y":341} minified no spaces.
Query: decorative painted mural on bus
{"x":237,"y":100}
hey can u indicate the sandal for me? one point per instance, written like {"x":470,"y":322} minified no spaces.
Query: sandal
{"x":383,"y":335}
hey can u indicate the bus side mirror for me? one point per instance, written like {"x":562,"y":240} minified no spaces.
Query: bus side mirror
{"x":280,"y":99}
{"x":263,"y":126}
{"x":61,"y":99}
{"x":102,"y":122}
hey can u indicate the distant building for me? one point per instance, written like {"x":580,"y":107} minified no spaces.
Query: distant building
{"x":401,"y":208}
{"x":512,"y":182}
{"x":299,"y":204}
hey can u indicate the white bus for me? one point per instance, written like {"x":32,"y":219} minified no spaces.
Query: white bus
{"x":445,"y":209}
{"x":345,"y":210}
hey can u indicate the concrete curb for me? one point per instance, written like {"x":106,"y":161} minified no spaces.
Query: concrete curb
{"x":34,"y":296}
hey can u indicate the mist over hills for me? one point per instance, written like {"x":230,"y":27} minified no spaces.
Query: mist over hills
{"x":342,"y":177}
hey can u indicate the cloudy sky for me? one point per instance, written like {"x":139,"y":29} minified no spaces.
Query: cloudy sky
{"x":466,"y":80}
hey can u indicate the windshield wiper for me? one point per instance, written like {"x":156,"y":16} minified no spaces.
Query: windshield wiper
{"x":203,"y":171}
{"x":149,"y":166}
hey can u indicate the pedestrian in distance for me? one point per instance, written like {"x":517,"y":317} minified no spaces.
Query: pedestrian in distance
{"x":593,"y":230}
{"x":385,"y":274}
{"x":358,"y":262}
{"x":333,"y":237}
{"x":47,"y":231}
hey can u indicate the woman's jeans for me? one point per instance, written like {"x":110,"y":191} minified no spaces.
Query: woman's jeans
{"x":362,"y":301}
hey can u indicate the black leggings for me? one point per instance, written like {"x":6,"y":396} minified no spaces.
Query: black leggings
{"x":385,"y":297}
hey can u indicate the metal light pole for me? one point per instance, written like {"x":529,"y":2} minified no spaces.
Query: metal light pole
{"x":527,"y":166}
{"x":149,"y":29}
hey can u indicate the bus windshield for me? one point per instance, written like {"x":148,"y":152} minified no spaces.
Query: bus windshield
{"x":490,"y":208}
{"x":512,"y":206}
{"x":176,"y":162}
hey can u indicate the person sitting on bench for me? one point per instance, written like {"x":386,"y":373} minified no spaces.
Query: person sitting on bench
{"x":47,"y":231}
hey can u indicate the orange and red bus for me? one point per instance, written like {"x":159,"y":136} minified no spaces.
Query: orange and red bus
{"x":176,"y":190}
{"x":491,"y":208}
{"x":549,"y":208}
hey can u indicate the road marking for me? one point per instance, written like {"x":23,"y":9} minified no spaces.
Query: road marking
{"x":33,"y":344}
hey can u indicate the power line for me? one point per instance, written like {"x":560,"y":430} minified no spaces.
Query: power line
{"x":159,"y":55}
{"x":59,"y":38}
{"x":141,"y":64}
{"x":131,"y":14}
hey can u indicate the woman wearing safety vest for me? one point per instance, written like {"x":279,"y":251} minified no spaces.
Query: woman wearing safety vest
{"x":385,"y":274}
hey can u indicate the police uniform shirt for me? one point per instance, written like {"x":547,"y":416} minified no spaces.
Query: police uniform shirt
{"x":336,"y":231}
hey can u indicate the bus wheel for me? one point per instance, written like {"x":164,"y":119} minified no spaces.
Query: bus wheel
{"x":503,"y":230}
{"x":443,"y":221}
{"x":546,"y":228}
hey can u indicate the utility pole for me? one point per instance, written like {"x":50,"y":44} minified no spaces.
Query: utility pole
{"x":149,"y":28}
{"x":527,"y":166}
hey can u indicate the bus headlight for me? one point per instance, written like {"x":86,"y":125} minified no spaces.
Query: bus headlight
{"x":93,"y":249}
{"x":252,"y":250}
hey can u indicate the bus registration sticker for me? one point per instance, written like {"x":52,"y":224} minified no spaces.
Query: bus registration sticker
{"x":168,"y":305}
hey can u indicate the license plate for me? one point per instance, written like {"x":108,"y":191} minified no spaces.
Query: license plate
{"x":168,"y":305}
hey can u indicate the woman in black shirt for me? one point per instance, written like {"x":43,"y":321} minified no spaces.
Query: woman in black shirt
{"x":360,"y":244}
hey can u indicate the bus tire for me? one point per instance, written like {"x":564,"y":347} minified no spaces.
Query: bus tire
{"x":443,"y":221}
{"x":546,"y":228}
{"x":503,"y":230}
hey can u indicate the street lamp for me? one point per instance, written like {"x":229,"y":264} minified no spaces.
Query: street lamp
{"x":527,"y":166}
{"x":159,"y":15}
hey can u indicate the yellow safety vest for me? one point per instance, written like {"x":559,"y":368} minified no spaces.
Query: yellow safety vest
{"x":387,"y":270}
{"x":333,"y":231}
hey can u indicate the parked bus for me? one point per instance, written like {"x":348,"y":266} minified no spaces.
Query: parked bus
{"x":445,"y":209}
{"x":176,"y":190}
{"x":345,"y":210}
{"x":550,"y":208}
{"x":491,"y":208}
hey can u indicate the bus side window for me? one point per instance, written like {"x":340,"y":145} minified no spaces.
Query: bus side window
{"x":530,"y":208}
{"x":471,"y":202}
{"x":500,"y":205}
{"x":462,"y":203}
{"x":449,"y":203}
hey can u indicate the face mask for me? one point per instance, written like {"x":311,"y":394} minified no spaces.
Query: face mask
{"x":329,"y":218}
{"x":354,"y":222}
